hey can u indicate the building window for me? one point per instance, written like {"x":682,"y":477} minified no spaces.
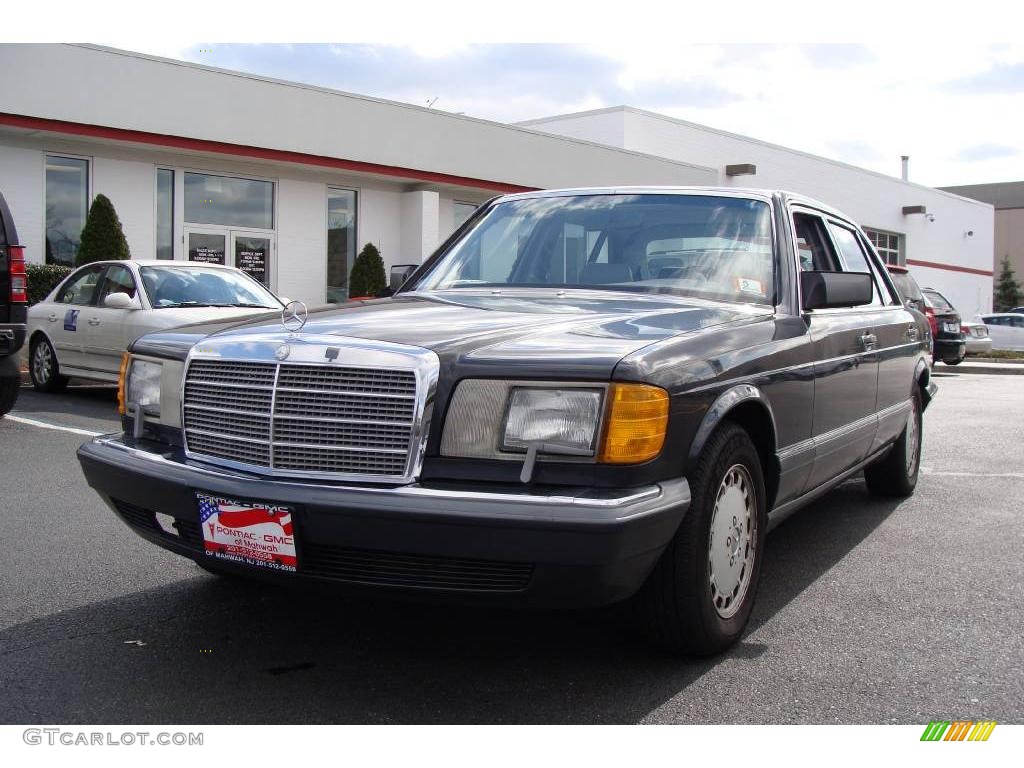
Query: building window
{"x":67,"y":203}
{"x":462,"y":212}
{"x":229,"y":202}
{"x":341,"y":242}
{"x":888,"y":245}
{"x":164,"y":213}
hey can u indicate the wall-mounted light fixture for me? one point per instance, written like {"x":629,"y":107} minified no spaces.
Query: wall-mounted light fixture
{"x":741,"y":169}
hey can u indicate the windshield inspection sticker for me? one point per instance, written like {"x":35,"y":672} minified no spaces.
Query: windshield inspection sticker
{"x":71,"y":320}
{"x":748,"y":285}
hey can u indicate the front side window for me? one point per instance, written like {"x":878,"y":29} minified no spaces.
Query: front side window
{"x":67,"y":203}
{"x":117,"y":280}
{"x":341,"y":242}
{"x":853,"y":257}
{"x":199,"y":286}
{"x":718,"y":248}
{"x":228,"y":201}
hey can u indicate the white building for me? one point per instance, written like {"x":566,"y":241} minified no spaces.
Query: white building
{"x":292,"y":180}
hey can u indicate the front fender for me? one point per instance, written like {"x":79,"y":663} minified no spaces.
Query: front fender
{"x":724,"y":403}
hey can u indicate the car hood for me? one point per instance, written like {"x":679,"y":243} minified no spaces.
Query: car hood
{"x":585,"y":331}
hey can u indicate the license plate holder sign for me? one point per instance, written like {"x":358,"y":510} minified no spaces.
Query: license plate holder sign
{"x":950,"y":327}
{"x":251,"y":533}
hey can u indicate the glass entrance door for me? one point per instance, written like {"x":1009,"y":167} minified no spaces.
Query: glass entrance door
{"x":208,"y":246}
{"x":251,"y":253}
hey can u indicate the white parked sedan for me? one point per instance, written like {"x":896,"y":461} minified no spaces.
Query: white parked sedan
{"x":976,"y":336}
{"x":84,"y":326}
{"x":1006,"y":330}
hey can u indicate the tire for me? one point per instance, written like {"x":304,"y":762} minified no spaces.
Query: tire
{"x":684,"y":607}
{"x":9,"y":386}
{"x":957,"y":361}
{"x":44,"y":368}
{"x":895,"y":474}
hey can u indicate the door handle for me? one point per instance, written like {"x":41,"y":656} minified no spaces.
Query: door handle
{"x":912,"y":332}
{"x":94,"y":321}
{"x":868,"y":340}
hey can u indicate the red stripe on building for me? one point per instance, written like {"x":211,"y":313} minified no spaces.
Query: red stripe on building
{"x":242,"y":150}
{"x":950,"y":267}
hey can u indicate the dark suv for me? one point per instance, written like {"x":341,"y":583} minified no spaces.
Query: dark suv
{"x":13,"y":307}
{"x":950,"y":343}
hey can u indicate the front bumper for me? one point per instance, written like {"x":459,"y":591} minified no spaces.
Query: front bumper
{"x":556,"y":546}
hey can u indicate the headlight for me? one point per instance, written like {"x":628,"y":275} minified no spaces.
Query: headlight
{"x":143,"y":385}
{"x":606,"y":423}
{"x":556,"y":418}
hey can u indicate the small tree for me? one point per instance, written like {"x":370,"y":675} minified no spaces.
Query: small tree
{"x":367,"y":278}
{"x":102,"y":236}
{"x":1008,"y":290}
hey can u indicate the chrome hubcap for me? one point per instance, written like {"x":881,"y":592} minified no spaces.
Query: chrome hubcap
{"x":732,"y":542}
{"x":913,"y":442}
{"x":42,"y":362}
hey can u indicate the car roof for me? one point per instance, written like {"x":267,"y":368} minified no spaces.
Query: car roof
{"x":159,"y":263}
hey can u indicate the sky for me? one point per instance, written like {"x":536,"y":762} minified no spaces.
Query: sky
{"x":956,"y":110}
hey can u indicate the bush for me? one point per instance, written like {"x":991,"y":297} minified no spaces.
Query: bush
{"x":42,"y":278}
{"x":367,"y":278}
{"x":102,"y":236}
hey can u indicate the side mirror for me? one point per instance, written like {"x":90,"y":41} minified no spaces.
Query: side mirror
{"x":119,"y":301}
{"x":399,"y":274}
{"x":824,"y":290}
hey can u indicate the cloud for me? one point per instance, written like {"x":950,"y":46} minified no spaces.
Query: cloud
{"x":987,"y":151}
{"x":836,"y":55}
{"x":498,"y":82}
{"x":1002,"y":78}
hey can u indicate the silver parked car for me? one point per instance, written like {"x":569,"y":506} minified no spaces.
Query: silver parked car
{"x":1006,"y":329}
{"x":977,"y":338}
{"x":87,"y":322}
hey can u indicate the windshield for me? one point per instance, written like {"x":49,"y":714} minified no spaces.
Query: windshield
{"x":712,"y":247}
{"x":199,"y":286}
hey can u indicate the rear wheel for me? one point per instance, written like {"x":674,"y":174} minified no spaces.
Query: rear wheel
{"x":896,"y":473}
{"x":699,"y":596}
{"x":44,"y":368}
{"x":9,"y":386}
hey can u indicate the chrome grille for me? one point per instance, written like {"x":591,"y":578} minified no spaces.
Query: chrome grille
{"x":302,"y":419}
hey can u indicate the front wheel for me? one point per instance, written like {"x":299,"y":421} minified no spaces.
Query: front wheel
{"x":699,"y":596}
{"x":44,"y":368}
{"x":896,"y":473}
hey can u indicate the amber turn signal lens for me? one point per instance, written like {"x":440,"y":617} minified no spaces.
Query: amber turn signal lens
{"x":637,"y":422}
{"x":122,"y":383}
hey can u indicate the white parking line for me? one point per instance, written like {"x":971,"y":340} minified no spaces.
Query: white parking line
{"x":929,"y":471}
{"x":44,"y":425}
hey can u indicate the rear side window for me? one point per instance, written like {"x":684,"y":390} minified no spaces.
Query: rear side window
{"x":81,"y":288}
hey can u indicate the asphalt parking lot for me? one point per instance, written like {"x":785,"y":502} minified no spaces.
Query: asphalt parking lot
{"x":869,"y":611}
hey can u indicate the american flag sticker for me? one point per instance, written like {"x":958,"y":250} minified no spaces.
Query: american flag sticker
{"x":254,"y":534}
